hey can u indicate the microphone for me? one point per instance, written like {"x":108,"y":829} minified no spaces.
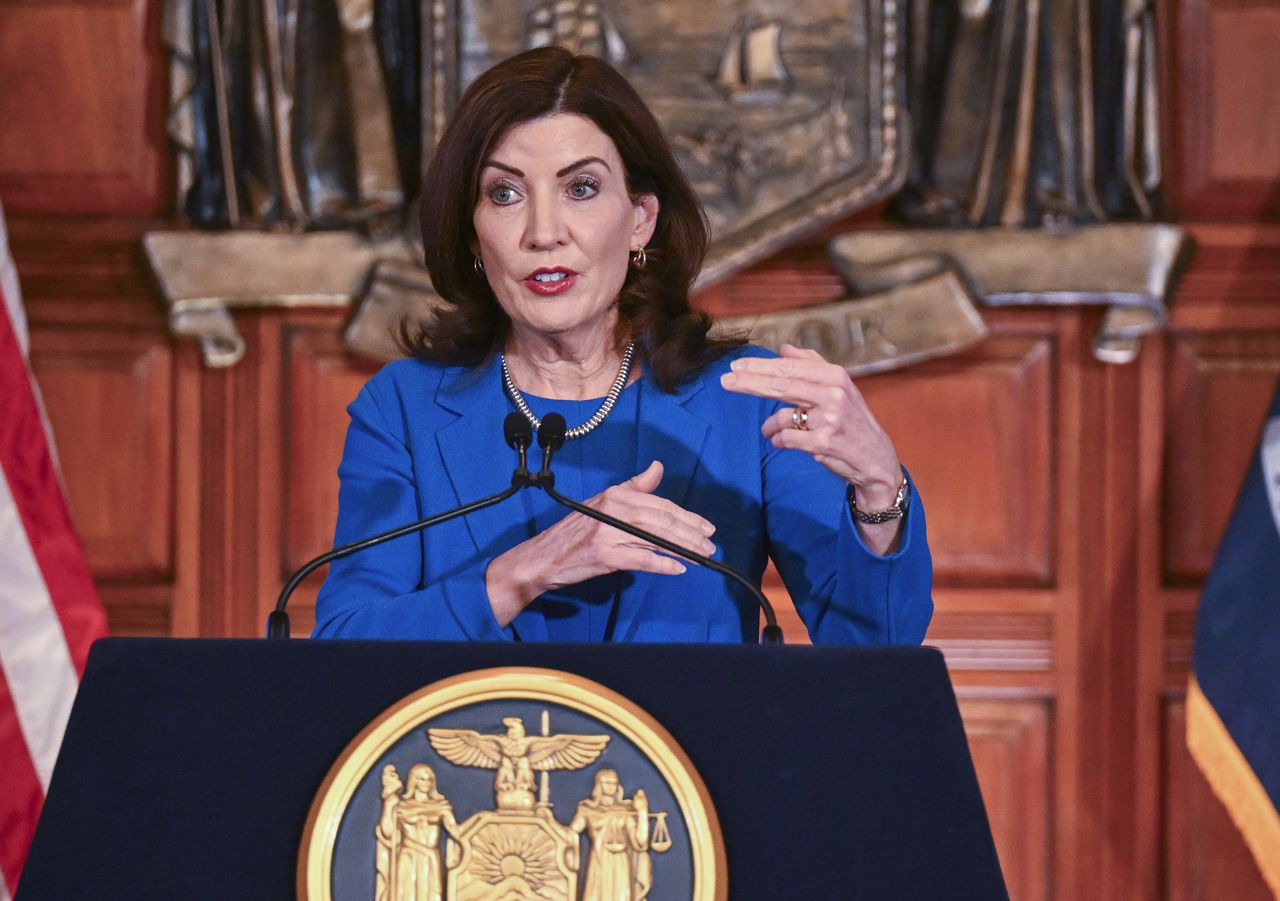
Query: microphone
{"x":551,"y":436}
{"x":519,"y":436}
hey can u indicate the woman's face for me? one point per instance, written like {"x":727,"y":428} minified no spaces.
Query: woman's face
{"x":421,"y":781}
{"x":555,"y":226}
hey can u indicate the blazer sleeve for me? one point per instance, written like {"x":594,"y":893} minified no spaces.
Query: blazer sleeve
{"x":844,"y":592}
{"x":378,"y":592}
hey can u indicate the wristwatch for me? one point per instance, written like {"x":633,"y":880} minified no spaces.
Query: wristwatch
{"x":898,"y":509}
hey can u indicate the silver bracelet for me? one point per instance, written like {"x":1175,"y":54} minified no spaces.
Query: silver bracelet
{"x":898,"y":509}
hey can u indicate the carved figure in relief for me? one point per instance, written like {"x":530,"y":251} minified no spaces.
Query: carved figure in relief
{"x":618,"y":868}
{"x":516,"y":756}
{"x":408,"y":862}
{"x":1033,"y":113}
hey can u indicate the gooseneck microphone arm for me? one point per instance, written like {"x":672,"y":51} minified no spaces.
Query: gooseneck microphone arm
{"x":519,"y":435}
{"x":551,"y":437}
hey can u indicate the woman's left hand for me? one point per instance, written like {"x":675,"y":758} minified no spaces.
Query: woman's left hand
{"x":839,"y":430}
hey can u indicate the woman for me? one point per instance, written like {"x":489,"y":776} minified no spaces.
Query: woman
{"x":562,"y":233}
{"x":618,"y":866}
{"x":408,"y":861}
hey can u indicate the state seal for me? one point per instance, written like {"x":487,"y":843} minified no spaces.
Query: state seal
{"x":509,"y":784}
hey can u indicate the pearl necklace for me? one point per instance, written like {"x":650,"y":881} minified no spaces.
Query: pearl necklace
{"x":596,"y":418}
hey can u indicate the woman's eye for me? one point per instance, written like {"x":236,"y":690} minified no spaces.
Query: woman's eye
{"x":502,"y":194}
{"x":582,"y":188}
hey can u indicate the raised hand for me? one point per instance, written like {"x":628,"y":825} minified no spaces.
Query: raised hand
{"x":827,"y":418}
{"x":578,"y":548}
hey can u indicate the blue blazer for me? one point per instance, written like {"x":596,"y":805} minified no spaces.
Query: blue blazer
{"x":425,"y":438}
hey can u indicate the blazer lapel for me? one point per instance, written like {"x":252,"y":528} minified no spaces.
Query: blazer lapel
{"x":672,"y":434}
{"x":474,"y":454}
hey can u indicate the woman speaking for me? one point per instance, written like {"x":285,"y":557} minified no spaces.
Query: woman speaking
{"x":564,"y":240}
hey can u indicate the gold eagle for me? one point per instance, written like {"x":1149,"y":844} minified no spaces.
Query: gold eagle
{"x":516,"y":756}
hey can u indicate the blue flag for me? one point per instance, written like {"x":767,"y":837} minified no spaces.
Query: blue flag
{"x":1233,"y":701}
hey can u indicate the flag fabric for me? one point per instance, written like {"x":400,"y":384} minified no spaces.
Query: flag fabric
{"x":49,"y":609}
{"x":1233,"y":700}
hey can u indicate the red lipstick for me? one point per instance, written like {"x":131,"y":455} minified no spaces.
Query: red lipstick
{"x":546,"y":282}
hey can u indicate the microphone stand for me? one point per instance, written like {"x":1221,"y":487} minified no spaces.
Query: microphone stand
{"x":551,"y":438}
{"x":278,"y":619}
{"x":519,"y":436}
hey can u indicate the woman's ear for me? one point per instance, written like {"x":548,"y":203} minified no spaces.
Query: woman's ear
{"x":646,"y":220}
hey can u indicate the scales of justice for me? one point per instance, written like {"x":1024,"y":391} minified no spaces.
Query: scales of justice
{"x":518,"y":850}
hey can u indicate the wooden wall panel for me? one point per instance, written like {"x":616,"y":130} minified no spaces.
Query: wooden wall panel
{"x":987,"y":642}
{"x":1226,"y":135}
{"x":109,"y":394}
{"x":1219,"y":386}
{"x":1010,"y":741}
{"x":968,"y":427}
{"x":109,"y":397}
{"x":81,"y":82}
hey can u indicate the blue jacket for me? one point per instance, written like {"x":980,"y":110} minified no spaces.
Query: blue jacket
{"x":425,"y":438}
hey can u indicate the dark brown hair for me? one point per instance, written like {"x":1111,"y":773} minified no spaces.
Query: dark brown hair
{"x":670,"y":336}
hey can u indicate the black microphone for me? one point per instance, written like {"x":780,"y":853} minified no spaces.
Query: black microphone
{"x":519,"y":436}
{"x":551,"y":435}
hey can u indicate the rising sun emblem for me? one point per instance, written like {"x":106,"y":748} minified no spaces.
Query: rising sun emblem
{"x":513,"y":865}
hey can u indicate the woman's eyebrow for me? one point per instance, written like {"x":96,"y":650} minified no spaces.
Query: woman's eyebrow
{"x":585,"y":161}
{"x":504,"y":167}
{"x":580,"y":163}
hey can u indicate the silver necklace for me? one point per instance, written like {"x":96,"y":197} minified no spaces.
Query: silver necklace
{"x":596,"y":418}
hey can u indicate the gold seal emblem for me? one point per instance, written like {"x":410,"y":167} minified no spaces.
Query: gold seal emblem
{"x":448,"y":794}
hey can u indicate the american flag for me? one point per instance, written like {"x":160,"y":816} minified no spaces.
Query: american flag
{"x":49,"y":609}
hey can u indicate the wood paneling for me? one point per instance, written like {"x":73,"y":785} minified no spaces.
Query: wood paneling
{"x":967,"y":427}
{"x":1010,"y":742}
{"x":1219,"y":386}
{"x":1225,"y":86}
{"x":993,"y":641}
{"x":110,"y":400}
{"x":81,"y":81}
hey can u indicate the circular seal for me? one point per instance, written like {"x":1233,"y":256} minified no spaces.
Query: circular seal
{"x":512,"y":783}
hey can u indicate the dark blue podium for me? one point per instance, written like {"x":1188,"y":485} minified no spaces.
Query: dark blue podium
{"x":189,"y":766}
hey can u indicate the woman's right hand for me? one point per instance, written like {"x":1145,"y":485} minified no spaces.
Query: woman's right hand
{"x":578,"y":547}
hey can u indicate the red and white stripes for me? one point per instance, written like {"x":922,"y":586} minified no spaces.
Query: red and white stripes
{"x":49,"y":609}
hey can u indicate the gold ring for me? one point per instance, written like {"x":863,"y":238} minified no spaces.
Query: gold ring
{"x":800,"y":418}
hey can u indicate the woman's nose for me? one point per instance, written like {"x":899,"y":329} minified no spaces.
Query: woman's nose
{"x":544,"y":226}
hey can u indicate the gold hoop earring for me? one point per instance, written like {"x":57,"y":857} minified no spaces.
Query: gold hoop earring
{"x":639,"y":258}
{"x":478,"y":264}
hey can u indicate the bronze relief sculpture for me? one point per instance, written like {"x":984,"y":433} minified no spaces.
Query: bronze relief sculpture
{"x":293,"y":121}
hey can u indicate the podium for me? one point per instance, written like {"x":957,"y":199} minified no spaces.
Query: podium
{"x":189,"y":766}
